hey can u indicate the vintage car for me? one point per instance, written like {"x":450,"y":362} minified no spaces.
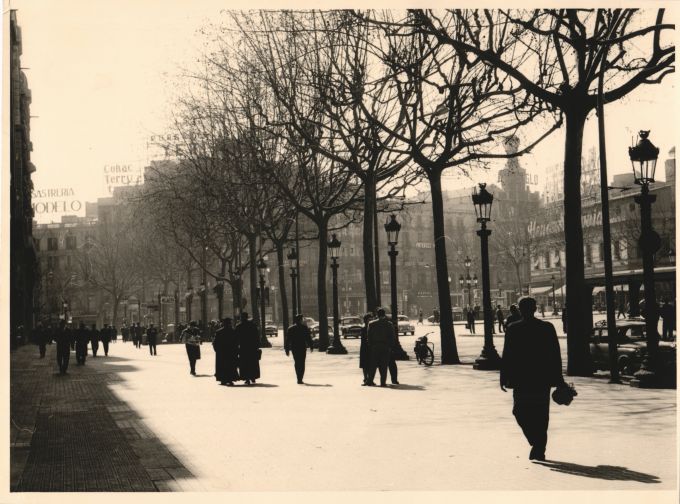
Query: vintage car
{"x":631,"y":344}
{"x":271,"y":329}
{"x":314,"y":326}
{"x":351,"y":327}
{"x":405,"y":325}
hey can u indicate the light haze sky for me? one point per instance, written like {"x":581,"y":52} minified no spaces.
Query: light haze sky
{"x":101,"y":76}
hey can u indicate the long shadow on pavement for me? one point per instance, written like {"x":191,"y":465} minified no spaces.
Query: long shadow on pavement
{"x":72,"y":433}
{"x":605,"y":472}
{"x":404,"y":386}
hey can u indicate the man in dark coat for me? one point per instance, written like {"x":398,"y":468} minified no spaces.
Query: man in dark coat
{"x":297,"y":339}
{"x":151,"y":338}
{"x":125,"y":331}
{"x":226,"y":354}
{"x":531,"y":365}
{"x":381,"y":341}
{"x":667,"y":312}
{"x":364,"y":355}
{"x":82,"y":339}
{"x":471,"y":320}
{"x":564,"y":318}
{"x":499,"y":318}
{"x":514,"y":316}
{"x":106,"y":338}
{"x":248,"y":339}
{"x":63,"y":338}
{"x":94,"y":340}
{"x":40,"y":338}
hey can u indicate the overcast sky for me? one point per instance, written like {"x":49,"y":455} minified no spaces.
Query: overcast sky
{"x":101,"y":76}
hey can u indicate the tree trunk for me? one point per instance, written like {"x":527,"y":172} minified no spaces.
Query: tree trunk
{"x":321,"y":285}
{"x":282,"y":285}
{"x":369,"y":270}
{"x":448,"y":336}
{"x":252,"y":254}
{"x":220,"y":296}
{"x":518,"y":273}
{"x":114,"y":320}
{"x":578,"y":354}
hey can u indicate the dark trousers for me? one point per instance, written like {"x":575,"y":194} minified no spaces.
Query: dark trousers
{"x":500,"y":326}
{"x":471,"y":324}
{"x":105,"y":344}
{"x":63,"y":355}
{"x":95,"y":348}
{"x":42,"y":347}
{"x":392,"y":367}
{"x":81,"y":353}
{"x":532,"y":412}
{"x":152,"y":348}
{"x":380,"y":359}
{"x":299,"y":357}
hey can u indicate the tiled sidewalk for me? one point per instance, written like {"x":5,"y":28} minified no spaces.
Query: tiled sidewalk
{"x":71,"y":433}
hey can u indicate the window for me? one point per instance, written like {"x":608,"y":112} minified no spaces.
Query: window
{"x":52,"y":244}
{"x":51,"y":263}
{"x":601,"y":252}
{"x":588,"y":254}
{"x":70,"y":243}
{"x":617,"y":250}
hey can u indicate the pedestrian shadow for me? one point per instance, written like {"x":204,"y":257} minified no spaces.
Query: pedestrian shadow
{"x":263,"y":385}
{"x":317,"y":384}
{"x":605,"y":472}
{"x":404,"y":386}
{"x":204,"y":376}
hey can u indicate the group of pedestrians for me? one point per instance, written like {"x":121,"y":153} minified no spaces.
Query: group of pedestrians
{"x":237,"y":350}
{"x":377,"y":350}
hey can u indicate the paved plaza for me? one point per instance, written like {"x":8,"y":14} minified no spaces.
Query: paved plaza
{"x":130,"y":421}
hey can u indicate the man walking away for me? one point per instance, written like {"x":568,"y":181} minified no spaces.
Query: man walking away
{"x":668,"y":315}
{"x":151,"y":338}
{"x":226,"y":354}
{"x":106,"y":338}
{"x":82,"y":338}
{"x":40,"y":338}
{"x":63,"y":339}
{"x":531,"y":365}
{"x":622,"y":310}
{"x":499,"y":317}
{"x":471,"y":319}
{"x":94,"y":340}
{"x":420,"y":317}
{"x":381,"y":339}
{"x":248,"y":338}
{"x":297,"y":339}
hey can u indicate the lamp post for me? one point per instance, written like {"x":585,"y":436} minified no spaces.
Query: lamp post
{"x":392,"y":228}
{"x":552,"y":278}
{"x":500,"y":291}
{"x":643,"y":157}
{"x":482,"y":201}
{"x":334,"y":249}
{"x":262,"y":268}
{"x":293,"y":262}
{"x":189,"y":296}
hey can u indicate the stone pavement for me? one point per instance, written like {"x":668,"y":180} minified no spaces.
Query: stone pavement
{"x":135,"y":422}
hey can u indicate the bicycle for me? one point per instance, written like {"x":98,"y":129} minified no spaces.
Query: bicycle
{"x":424,"y":350}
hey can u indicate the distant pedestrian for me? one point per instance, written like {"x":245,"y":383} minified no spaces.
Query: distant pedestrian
{"x":364,"y":352}
{"x":152,"y":339}
{"x":94,"y":339}
{"x":564,"y":318}
{"x":420,"y":317}
{"x":125,"y":332}
{"x":82,"y":338}
{"x":298,"y":338}
{"x":543,"y":310}
{"x":514,"y":316}
{"x":435,"y":314}
{"x":621,"y":311}
{"x":471,"y":320}
{"x":192,"y":344}
{"x":531,"y":365}
{"x":226,"y":354}
{"x":248,"y":338}
{"x":381,"y":341}
{"x":63,"y":339}
{"x":667,"y":312}
{"x":40,"y":339}
{"x":106,"y":338}
{"x":500,"y":318}
{"x":114,"y":333}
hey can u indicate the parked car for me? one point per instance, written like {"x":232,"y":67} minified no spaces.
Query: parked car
{"x":314,"y":326}
{"x":351,"y":327}
{"x":456,"y":314}
{"x":405,"y":325}
{"x":632,"y":348}
{"x":271,"y":329}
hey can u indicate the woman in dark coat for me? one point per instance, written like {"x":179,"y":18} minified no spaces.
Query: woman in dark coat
{"x":248,"y":340}
{"x":226,"y":354}
{"x":364,"y":355}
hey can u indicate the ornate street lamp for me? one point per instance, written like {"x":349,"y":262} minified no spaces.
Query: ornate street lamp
{"x":482,"y":201}
{"x":643,"y":158}
{"x":334,"y":250}
{"x":392,"y":228}
{"x":293,"y":263}
{"x":262,"y":268}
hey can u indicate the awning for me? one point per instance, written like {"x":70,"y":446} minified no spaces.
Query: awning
{"x":541,"y":290}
